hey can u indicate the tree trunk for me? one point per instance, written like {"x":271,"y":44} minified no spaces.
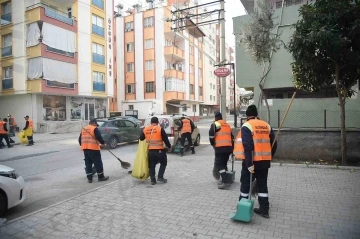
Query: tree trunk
{"x":342,"y":97}
{"x":266,"y":102}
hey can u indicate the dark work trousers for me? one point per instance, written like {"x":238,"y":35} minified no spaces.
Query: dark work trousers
{"x":221,"y":160}
{"x":189,"y":139}
{"x":155,"y":157}
{"x":261,"y":176}
{"x":6,"y":137}
{"x":93,"y":157}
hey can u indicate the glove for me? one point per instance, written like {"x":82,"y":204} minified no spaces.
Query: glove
{"x":251,"y":169}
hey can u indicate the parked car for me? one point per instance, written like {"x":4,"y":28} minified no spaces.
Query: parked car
{"x":132,"y":119}
{"x":118,"y":130}
{"x":11,"y":189}
{"x":170,"y":124}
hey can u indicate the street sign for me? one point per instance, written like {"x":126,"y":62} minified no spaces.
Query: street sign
{"x":222,"y":72}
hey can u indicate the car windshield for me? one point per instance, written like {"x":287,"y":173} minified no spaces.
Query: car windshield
{"x":101,"y":123}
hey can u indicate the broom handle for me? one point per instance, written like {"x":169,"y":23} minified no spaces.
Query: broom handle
{"x":283,"y":120}
{"x":250,"y":186}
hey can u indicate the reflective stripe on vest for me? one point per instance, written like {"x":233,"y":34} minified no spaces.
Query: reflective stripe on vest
{"x":261,"y":137}
{"x":186,"y":127}
{"x":153,"y":137}
{"x":88,"y":140}
{"x":223,"y":136}
{"x":2,"y":130}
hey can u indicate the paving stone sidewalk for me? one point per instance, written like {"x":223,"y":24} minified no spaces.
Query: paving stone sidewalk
{"x":305,"y":203}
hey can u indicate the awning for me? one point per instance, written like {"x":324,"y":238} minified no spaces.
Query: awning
{"x":176,"y":105}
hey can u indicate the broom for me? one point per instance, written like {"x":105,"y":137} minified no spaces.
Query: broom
{"x":124,"y":165}
{"x":254,"y":188}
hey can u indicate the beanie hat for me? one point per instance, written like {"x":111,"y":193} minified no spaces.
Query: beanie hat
{"x":218,"y":115}
{"x":252,"y":111}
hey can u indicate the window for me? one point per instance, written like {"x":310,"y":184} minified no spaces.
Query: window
{"x":150,"y":87}
{"x":130,"y":89}
{"x":131,"y":107}
{"x":6,"y":45}
{"x":191,"y":69}
{"x":194,"y":108}
{"x":7,"y":82}
{"x":6,"y":13}
{"x":129,"y":26}
{"x":148,"y":21}
{"x":149,"y":43}
{"x":98,"y":81}
{"x":149,"y":65}
{"x":98,"y":3}
{"x":213,"y":86}
{"x":191,"y":50}
{"x":98,"y":53}
{"x":130,"y":67}
{"x":200,"y":90}
{"x":130,"y":47}
{"x":129,"y":124}
{"x":173,"y":84}
{"x":210,"y":97}
{"x":191,"y":88}
{"x":168,"y":42}
{"x":211,"y":73}
{"x":97,"y":25}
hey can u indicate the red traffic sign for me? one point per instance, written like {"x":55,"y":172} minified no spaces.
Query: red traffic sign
{"x":222,"y":72}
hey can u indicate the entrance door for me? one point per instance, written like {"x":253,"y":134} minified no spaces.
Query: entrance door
{"x":89,"y":111}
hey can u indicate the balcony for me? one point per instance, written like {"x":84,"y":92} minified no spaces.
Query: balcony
{"x":100,"y":59}
{"x":60,"y":16}
{"x":174,"y":74}
{"x":7,"y":83}
{"x":99,"y":86}
{"x":6,"y":19}
{"x":60,"y":52}
{"x":6,"y":51}
{"x":174,"y":53}
{"x":98,"y":3}
{"x":97,"y":30}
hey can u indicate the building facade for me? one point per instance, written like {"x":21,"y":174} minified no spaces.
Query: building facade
{"x":162,"y":71}
{"x":57,"y":63}
{"x":314,"y":110}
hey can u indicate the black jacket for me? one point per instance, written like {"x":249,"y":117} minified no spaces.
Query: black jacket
{"x":26,"y":125}
{"x":248,"y":143}
{"x":97,"y":136}
{"x":164,"y":137}
{"x":191,"y":124}
{"x":227,"y":149}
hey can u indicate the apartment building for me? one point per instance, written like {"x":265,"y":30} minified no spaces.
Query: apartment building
{"x":161,"y":71}
{"x":318,"y":109}
{"x":57,"y":63}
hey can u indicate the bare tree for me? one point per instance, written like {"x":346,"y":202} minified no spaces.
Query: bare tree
{"x":259,"y":40}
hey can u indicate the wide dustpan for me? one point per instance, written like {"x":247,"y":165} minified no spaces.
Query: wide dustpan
{"x":245,"y":208}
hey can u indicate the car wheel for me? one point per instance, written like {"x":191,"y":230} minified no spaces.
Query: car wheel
{"x":113,"y":142}
{"x":197,"y":141}
{"x":3,"y":205}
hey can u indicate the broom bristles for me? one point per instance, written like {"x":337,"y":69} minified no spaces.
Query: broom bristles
{"x":254,"y":189}
{"x":216,"y":173}
{"x":125,"y":165}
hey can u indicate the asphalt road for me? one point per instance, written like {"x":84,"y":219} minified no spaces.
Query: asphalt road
{"x":54,"y":171}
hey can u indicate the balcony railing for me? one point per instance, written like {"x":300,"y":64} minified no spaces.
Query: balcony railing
{"x":7,"y":83}
{"x":60,"y":84}
{"x":57,"y":51}
{"x":6,"y":19}
{"x":98,"y":3}
{"x":6,"y":51}
{"x":99,"y":86}
{"x":99,"y":58}
{"x":97,"y":30}
{"x":60,"y":16}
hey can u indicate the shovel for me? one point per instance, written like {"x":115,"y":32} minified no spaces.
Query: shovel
{"x":245,"y":208}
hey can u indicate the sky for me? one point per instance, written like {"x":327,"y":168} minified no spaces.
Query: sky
{"x":233,"y":8}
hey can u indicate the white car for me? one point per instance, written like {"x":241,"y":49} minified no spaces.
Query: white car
{"x":11,"y":189}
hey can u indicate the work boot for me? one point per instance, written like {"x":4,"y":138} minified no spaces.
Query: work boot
{"x":89,"y":180}
{"x":164,"y":180}
{"x":181,"y":152}
{"x":10,"y":146}
{"x":153,"y":181}
{"x":261,"y":212}
{"x":224,"y":186}
{"x":29,"y":144}
{"x":12,"y":141}
{"x":103,"y":178}
{"x":192,"y":150}
{"x":219,"y":182}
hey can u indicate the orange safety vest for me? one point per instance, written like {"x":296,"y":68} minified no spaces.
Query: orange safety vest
{"x":12,"y":121}
{"x":261,"y":137}
{"x":153,"y":137}
{"x":223,"y":136}
{"x":31,"y":124}
{"x":88,"y":139}
{"x":186,"y":127}
{"x":2,"y":131}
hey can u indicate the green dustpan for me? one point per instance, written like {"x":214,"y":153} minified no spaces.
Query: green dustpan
{"x":245,"y":208}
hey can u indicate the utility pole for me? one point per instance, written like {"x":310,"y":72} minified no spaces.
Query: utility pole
{"x":222,"y":59}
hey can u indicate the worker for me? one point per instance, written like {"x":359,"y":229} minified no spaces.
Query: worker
{"x":4,"y":132}
{"x":89,"y":140}
{"x":12,"y":127}
{"x":29,"y":127}
{"x":187,"y":128}
{"x":156,"y":137}
{"x":253,"y":146}
{"x":222,"y":140}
